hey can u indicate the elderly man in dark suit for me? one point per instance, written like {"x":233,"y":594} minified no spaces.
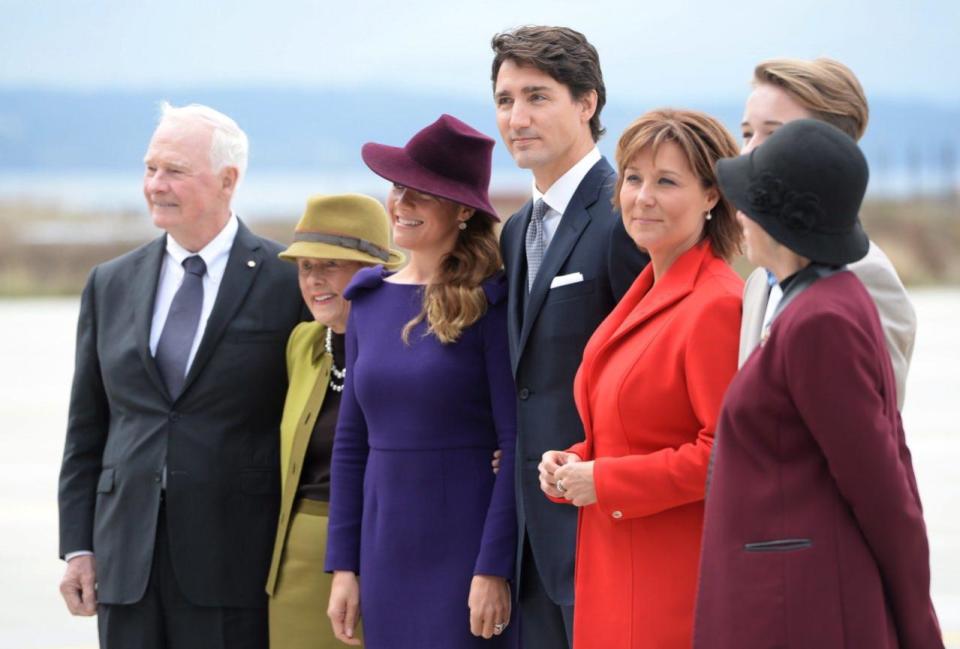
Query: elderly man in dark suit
{"x":568,"y":260}
{"x":169,"y":484}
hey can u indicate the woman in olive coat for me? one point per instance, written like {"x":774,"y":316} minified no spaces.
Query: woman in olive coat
{"x":337,"y":236}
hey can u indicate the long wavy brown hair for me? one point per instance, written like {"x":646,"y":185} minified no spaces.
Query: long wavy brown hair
{"x":456,"y":299}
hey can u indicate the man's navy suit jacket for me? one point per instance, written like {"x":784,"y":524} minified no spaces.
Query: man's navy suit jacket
{"x":548,"y":330}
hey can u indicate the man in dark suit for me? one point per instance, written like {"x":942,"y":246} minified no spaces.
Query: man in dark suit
{"x":568,"y":260}
{"x":169,"y":485}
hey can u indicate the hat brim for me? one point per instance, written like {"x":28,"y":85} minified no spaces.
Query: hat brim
{"x":316,"y":250}
{"x":394,"y":164}
{"x":836,"y":249}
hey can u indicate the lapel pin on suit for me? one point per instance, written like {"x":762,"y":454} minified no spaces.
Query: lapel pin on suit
{"x":251,"y":263}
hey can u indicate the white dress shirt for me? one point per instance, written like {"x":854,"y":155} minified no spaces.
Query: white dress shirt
{"x":558,"y":195}
{"x":214,"y":255}
{"x":776,"y":294}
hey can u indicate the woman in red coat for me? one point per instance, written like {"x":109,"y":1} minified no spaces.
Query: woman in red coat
{"x":814,"y":533}
{"x":649,"y":390}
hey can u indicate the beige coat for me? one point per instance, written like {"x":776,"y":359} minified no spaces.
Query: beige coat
{"x":897,"y":315}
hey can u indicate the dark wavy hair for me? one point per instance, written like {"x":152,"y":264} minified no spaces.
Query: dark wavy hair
{"x":561,"y":52}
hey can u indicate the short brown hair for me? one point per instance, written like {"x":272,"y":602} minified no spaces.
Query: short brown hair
{"x":703,"y":140}
{"x":561,"y":52}
{"x":826,"y":88}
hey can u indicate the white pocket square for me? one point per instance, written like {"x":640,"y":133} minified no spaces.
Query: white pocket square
{"x":563,"y":280}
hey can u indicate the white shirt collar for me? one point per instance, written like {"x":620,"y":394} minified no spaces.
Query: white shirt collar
{"x":558,"y":196}
{"x":215,"y":253}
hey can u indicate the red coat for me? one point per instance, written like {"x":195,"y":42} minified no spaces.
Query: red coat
{"x":649,"y":391}
{"x":814,"y":534}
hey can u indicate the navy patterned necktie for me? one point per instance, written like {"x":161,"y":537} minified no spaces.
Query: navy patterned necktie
{"x":536,"y":241}
{"x":176,"y":340}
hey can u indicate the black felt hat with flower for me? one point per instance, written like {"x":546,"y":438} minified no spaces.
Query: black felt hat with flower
{"x":804,"y":187}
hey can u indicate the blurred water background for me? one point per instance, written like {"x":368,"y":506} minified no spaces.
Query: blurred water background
{"x":80,"y":85}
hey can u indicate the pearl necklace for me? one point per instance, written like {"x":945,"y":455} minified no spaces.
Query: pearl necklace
{"x":336,"y":374}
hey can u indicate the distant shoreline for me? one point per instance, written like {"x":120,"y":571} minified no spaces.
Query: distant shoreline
{"x":47,"y":250}
{"x":268,"y":195}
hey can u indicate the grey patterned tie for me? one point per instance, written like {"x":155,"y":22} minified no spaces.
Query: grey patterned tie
{"x":176,"y":340}
{"x":536,"y":241}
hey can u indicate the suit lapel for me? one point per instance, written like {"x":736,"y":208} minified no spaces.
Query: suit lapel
{"x":574,"y":221}
{"x":515,"y":254}
{"x":146,"y":276}
{"x":572,"y":225}
{"x":238,"y":277}
{"x":672,"y":288}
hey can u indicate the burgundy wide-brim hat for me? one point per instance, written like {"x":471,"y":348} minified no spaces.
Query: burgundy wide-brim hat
{"x":448,"y":158}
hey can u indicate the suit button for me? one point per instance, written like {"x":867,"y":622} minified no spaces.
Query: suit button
{"x":524,"y":394}
{"x":158,"y":477}
{"x":174,"y":416}
{"x":617,"y":514}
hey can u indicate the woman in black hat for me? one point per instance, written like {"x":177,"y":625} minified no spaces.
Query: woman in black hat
{"x":827,"y":90}
{"x":814,"y":533}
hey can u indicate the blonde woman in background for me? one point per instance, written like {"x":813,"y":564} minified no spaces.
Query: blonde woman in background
{"x":785,"y":90}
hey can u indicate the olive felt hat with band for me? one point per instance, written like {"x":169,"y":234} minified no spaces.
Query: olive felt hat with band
{"x":804,"y":187}
{"x":353,"y":227}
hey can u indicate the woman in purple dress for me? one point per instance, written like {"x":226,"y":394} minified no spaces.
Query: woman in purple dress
{"x":422,"y":534}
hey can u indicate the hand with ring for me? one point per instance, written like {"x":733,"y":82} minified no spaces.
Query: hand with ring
{"x":575,"y":483}
{"x":549,"y":464}
{"x":489,"y":605}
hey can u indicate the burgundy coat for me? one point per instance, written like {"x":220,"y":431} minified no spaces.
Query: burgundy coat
{"x":813,"y":532}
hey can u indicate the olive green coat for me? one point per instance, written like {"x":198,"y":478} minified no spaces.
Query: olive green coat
{"x":308,"y":374}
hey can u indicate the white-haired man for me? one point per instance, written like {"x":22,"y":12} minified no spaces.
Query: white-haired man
{"x":169,"y":484}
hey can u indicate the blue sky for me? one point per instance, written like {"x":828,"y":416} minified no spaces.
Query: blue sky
{"x":655,"y":50}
